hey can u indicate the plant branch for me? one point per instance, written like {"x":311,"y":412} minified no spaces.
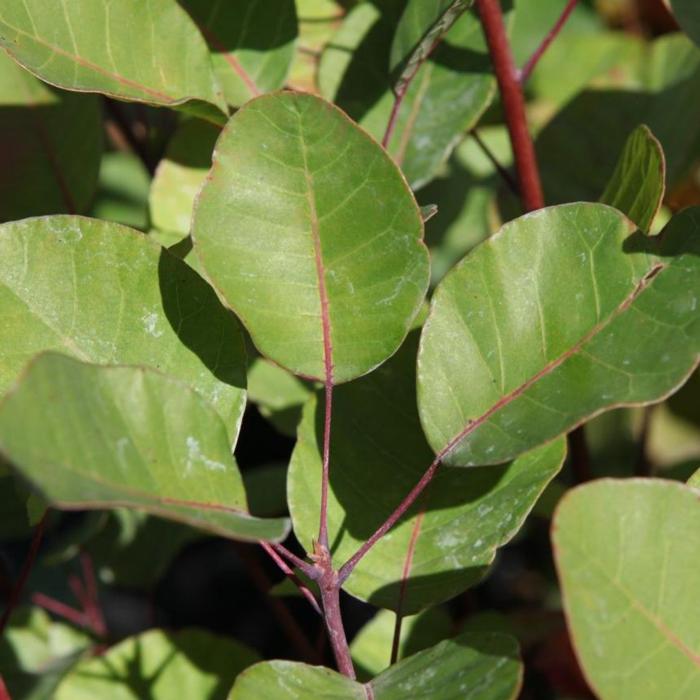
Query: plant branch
{"x":529,"y":66}
{"x":513,"y":104}
{"x":92,"y":602}
{"x":325,"y":475}
{"x":16,"y":592}
{"x":304,"y":566}
{"x":4,"y":692}
{"x":77,"y":617}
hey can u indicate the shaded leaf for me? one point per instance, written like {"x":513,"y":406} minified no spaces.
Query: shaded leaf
{"x":514,"y":353}
{"x":311,"y":235}
{"x":252,"y":43}
{"x":378,"y":453}
{"x":90,"y":437}
{"x":637,"y":186}
{"x":51,"y":144}
{"x":105,"y":293}
{"x":266,"y":486}
{"x":143,"y":50}
{"x":626,"y":553}
{"x":469,"y":667}
{"x":687,"y":12}
{"x":160,"y":666}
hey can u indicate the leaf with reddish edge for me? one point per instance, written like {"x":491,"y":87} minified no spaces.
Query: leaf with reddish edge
{"x":514,"y":352}
{"x":626,"y":555}
{"x":91,"y":437}
{"x":311,"y":235}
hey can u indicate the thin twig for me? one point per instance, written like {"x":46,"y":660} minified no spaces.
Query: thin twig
{"x":505,"y":175}
{"x":16,"y":592}
{"x":303,"y":566}
{"x":290,"y":626}
{"x":529,"y":66}
{"x":513,"y":104}
{"x":4,"y":692}
{"x":92,"y":606}
{"x":325,"y":475}
{"x":77,"y":617}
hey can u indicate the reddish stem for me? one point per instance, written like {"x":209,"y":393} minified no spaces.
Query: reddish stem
{"x":551,"y":36}
{"x":393,"y":117}
{"x":92,"y":606}
{"x":513,"y":104}
{"x":287,"y":571}
{"x":325,"y":476}
{"x":77,"y":617}
{"x":303,"y":566}
{"x":4,"y":692}
{"x":16,"y":592}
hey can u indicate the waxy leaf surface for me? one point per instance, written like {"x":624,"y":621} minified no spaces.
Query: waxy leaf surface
{"x":469,"y":667}
{"x":106,"y":294}
{"x":252,"y":43}
{"x":447,"y":540}
{"x":637,"y":186}
{"x":562,"y":314}
{"x":627,"y":555}
{"x":160,"y":666}
{"x":309,"y":232}
{"x":51,"y":143}
{"x":92,"y":437}
{"x":143,"y":50}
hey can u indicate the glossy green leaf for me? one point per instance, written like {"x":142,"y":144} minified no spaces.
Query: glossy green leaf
{"x":252,"y":43}
{"x":626,"y":553}
{"x":180,"y":175}
{"x":91,"y":437}
{"x":310,"y":234}
{"x":469,"y":667}
{"x":687,"y":12}
{"x":378,"y":453}
{"x":160,"y":665}
{"x":105,"y":293}
{"x":371,"y":648}
{"x":637,"y":185}
{"x":515,"y":353}
{"x":51,"y":143}
{"x":143,"y":50}
{"x":36,"y":652}
{"x":448,"y":95}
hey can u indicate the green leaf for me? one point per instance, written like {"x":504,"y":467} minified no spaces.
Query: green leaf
{"x":515,"y":353}
{"x":252,"y":43}
{"x":378,"y":453}
{"x":266,"y":486}
{"x":626,"y":553}
{"x":51,"y":143}
{"x":447,"y":97}
{"x":469,"y":667}
{"x":371,"y":648}
{"x":310,"y":234}
{"x":160,"y":666}
{"x":36,"y":652}
{"x":687,"y":13}
{"x":105,"y":293}
{"x":637,"y":186}
{"x":694,"y":480}
{"x":278,"y":395}
{"x":141,"y":50}
{"x":91,"y":437}
{"x":180,"y":175}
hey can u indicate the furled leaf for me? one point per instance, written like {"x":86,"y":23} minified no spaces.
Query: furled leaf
{"x":378,"y":453}
{"x":91,"y":437}
{"x":626,"y":553}
{"x":105,"y":293}
{"x":180,"y":175}
{"x":371,"y":648}
{"x":637,"y":186}
{"x":448,"y":95}
{"x":515,"y":353}
{"x":687,"y":12}
{"x":469,"y":667}
{"x":310,"y":234}
{"x":252,"y":43}
{"x":160,"y":666}
{"x":36,"y":652}
{"x":143,"y":50}
{"x":51,"y":143}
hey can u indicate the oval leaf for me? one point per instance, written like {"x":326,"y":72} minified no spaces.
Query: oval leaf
{"x":310,"y":234}
{"x":514,"y":352}
{"x":106,"y":294}
{"x":469,"y":667}
{"x":143,"y":50}
{"x":160,"y":666}
{"x":447,"y":540}
{"x":626,"y":553}
{"x":90,"y":437}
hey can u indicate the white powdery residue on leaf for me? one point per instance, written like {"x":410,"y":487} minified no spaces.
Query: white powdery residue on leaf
{"x":448,"y":540}
{"x":195,"y":456}
{"x":150,"y":323}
